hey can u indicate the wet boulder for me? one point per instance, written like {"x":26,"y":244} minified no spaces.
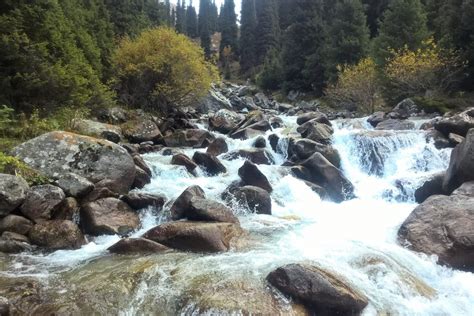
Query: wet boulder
{"x":315,"y":131}
{"x":254,"y":198}
{"x":218,"y":147}
{"x":214,"y":101}
{"x":195,"y":236}
{"x":433,"y":186}
{"x":251,"y":175}
{"x":276,"y":122}
{"x":97,"y":194}
{"x":395,"y":125}
{"x":332,"y":179}
{"x":205,"y":210}
{"x":109,"y":216}
{"x":258,"y":156}
{"x":141,"y":178}
{"x":209,"y":163}
{"x":140,"y":162}
{"x":405,"y":109}
{"x":140,"y":131}
{"x":57,"y":234}
{"x":305,"y":148}
{"x":185,"y":161}
{"x":16,"y":224}
{"x":440,"y":141}
{"x":182,"y":203}
{"x":258,"y":128}
{"x":195,"y":138}
{"x":74,"y":185}
{"x":321,"y":291}
{"x":260,"y":142}
{"x":458,"y":124}
{"x":138,"y":200}
{"x":313,"y":116}
{"x":69,"y":210}
{"x":137,"y":246}
{"x":97,"y":129}
{"x":41,"y":202}
{"x":376,"y":118}
{"x":461,"y":165}
{"x":442,"y":226}
{"x":13,"y":192}
{"x":224,"y":121}
{"x":13,"y":246}
{"x":455,"y":139}
{"x":59,"y":153}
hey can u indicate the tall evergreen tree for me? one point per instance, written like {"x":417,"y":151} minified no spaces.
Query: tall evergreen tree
{"x":213,"y":18}
{"x":374,"y":10}
{"x":248,"y":28}
{"x":268,"y":31}
{"x":404,"y":23}
{"x":181,"y":17}
{"x":191,"y":22}
{"x":229,"y":27}
{"x":347,"y":37}
{"x":204,"y":28}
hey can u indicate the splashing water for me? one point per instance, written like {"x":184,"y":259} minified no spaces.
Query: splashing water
{"x":357,"y":239}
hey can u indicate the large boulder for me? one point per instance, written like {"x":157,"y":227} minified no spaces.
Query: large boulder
{"x":433,"y":186}
{"x":136,"y":246}
{"x":12,"y":193}
{"x":250,"y":131}
{"x":74,"y":185}
{"x":305,"y":148}
{"x":142,"y":131}
{"x":57,"y":234}
{"x":254,"y":198}
{"x":458,"y":124}
{"x":13,"y":246}
{"x":224,"y":121}
{"x":443,"y":226}
{"x":315,"y":131}
{"x":214,"y":101}
{"x":218,"y":147}
{"x":205,"y":210}
{"x":196,"y":138}
{"x":321,"y":291}
{"x":461,"y":165}
{"x":139,"y":201}
{"x":16,"y":224}
{"x":251,"y":175}
{"x":376,"y":118}
{"x":313,"y":116}
{"x":405,"y":109}
{"x":108,"y":216}
{"x":142,"y":178}
{"x":185,"y":161}
{"x":182,"y":203}
{"x":209,"y":163}
{"x":58,"y":153}
{"x":195,"y":236}
{"x":97,"y":129}
{"x":42,"y":201}
{"x":258,"y":156}
{"x":396,"y":125}
{"x":325,"y":174}
{"x":115,"y":115}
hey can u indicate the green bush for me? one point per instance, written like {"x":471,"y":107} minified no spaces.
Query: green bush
{"x":13,"y":166}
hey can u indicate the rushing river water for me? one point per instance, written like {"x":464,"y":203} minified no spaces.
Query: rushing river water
{"x":356,"y":239}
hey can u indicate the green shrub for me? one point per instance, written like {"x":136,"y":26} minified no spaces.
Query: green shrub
{"x":13,"y":166}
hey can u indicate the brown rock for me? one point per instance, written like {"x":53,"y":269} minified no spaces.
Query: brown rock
{"x":137,"y":246}
{"x":209,"y":163}
{"x":185,"y":161}
{"x":218,"y":147}
{"x":57,"y":234}
{"x":251,"y":175}
{"x":42,"y":201}
{"x":140,"y":201}
{"x":182,"y":203}
{"x":16,"y":224}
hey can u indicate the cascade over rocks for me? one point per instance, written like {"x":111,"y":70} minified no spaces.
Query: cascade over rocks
{"x":195,"y":138}
{"x":325,"y":174}
{"x":195,"y":236}
{"x":442,"y":226}
{"x":305,"y":148}
{"x":137,"y":246}
{"x":251,"y":175}
{"x":457,"y":124}
{"x":41,"y":202}
{"x":321,"y":291}
{"x":58,"y":153}
{"x":13,"y":192}
{"x":395,"y":125}
{"x":182,"y":203}
{"x":254,"y":198}
{"x":218,"y":147}
{"x":461,"y":165}
{"x":108,"y":216}
{"x":57,"y":234}
{"x":209,"y":163}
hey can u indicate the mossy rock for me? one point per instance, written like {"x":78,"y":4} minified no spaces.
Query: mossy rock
{"x":13,"y":166}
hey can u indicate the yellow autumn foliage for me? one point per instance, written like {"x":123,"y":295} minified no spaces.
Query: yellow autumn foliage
{"x":428,"y":69}
{"x":161,"y":68}
{"x":356,"y":87}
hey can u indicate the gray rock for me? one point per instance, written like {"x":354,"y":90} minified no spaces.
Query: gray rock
{"x":58,"y":153}
{"x":69,"y":210}
{"x":74,"y":185}
{"x":139,"y":201}
{"x":182,"y":203}
{"x":305,"y":148}
{"x":139,"y":162}
{"x":455,"y":139}
{"x":113,"y":115}
{"x":258,"y":156}
{"x":251,"y":175}
{"x":218,"y":147}
{"x":321,"y":291}
{"x":443,"y":226}
{"x":255,"y":198}
{"x":141,"y":178}
{"x":42,"y":201}
{"x":458,"y":124}
{"x":260,"y":142}
{"x":461,"y":165}
{"x":13,"y":246}
{"x":433,"y":186}
{"x":196,"y":138}
{"x":15,"y":237}
{"x":108,"y":216}
{"x":16,"y":224}
{"x":313,"y":116}
{"x":204,"y":210}
{"x":57,"y":234}
{"x":396,"y":125}
{"x":376,"y":118}
{"x":12,"y":193}
{"x":405,"y":109}
{"x":185,"y":161}
{"x":213,"y":102}
{"x":96,"y":129}
{"x":142,"y":131}
{"x":224,"y":121}
{"x":209,"y":163}
{"x":317,"y":132}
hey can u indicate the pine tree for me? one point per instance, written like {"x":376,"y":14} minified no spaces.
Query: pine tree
{"x":229,"y":28}
{"x":268,"y":30}
{"x":248,"y":28}
{"x":404,"y":24}
{"x":181,"y":17}
{"x":374,"y":10}
{"x":191,"y":22}
{"x":347,"y":37}
{"x":204,"y":28}
{"x":213,"y":18}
